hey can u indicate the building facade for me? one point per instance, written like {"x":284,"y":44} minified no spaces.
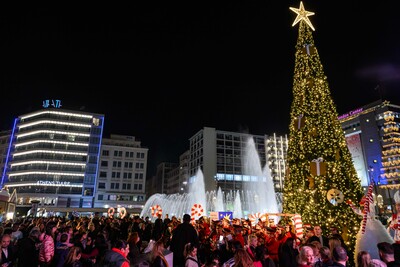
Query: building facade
{"x":220,"y":154}
{"x":4,"y":145}
{"x":276,"y":151}
{"x":122,"y":173}
{"x":52,"y":158}
{"x":372,"y":135}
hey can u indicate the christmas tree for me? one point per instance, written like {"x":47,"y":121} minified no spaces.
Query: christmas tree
{"x":321,"y":176}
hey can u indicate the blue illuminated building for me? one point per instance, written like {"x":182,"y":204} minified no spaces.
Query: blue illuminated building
{"x":53,"y":157}
{"x":373,"y":138}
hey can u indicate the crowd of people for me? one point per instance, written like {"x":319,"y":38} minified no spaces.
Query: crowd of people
{"x":134,"y":241}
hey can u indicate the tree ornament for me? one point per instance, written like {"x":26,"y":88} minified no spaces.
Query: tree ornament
{"x":311,"y":182}
{"x":335,"y":196}
{"x":309,"y":49}
{"x":318,"y":167}
{"x":300,"y":121}
{"x":337,"y":154}
{"x":302,"y":15}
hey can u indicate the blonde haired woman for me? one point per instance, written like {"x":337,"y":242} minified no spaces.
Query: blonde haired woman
{"x":243,"y":259}
{"x":157,"y":255}
{"x":73,"y":257}
{"x":306,"y":257}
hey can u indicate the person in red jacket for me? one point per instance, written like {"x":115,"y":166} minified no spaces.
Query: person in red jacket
{"x":118,"y":254}
{"x":272,"y":244}
{"x":237,"y":234}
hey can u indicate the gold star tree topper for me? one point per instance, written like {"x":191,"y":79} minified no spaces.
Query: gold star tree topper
{"x":302,"y":14}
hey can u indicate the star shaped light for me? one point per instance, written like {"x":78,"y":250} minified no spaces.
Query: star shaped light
{"x":302,"y":14}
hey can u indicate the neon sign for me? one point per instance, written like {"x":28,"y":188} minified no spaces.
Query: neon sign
{"x":52,"y":103}
{"x":53,"y":183}
{"x":351,"y":113}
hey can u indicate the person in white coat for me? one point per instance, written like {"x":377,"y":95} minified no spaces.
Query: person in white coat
{"x":372,"y":231}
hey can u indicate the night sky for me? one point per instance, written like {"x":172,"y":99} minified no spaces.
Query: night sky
{"x":162,"y":72}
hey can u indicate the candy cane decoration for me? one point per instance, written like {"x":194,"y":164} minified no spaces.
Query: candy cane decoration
{"x":253,"y":218}
{"x":298,"y":225}
{"x":122,"y":212}
{"x":110,"y":212}
{"x":369,"y":200}
{"x":197,"y":210}
{"x":156,"y":210}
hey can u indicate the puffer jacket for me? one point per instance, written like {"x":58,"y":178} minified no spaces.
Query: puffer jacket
{"x":46,"y":252}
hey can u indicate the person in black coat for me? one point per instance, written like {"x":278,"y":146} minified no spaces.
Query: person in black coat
{"x":8,"y":251}
{"x":319,"y":237}
{"x":184,"y":233}
{"x":28,"y":249}
{"x":288,"y":253}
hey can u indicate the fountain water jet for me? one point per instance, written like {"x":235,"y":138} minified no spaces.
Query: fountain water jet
{"x":237,"y":207}
{"x":258,"y":194}
{"x":260,"y":181}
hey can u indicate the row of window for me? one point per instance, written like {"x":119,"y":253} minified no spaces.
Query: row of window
{"x":120,"y":198}
{"x":128,"y":154}
{"x":126,"y":175}
{"x":125,"y":186}
{"x":118,"y":164}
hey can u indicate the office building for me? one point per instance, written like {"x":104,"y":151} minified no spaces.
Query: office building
{"x":53,"y":157}
{"x":372,"y":136}
{"x":219,"y":154}
{"x":122,"y":174}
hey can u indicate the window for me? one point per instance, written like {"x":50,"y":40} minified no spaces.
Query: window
{"x":114,"y":186}
{"x":106,"y":153}
{"x":102,"y":185}
{"x":103,"y":174}
{"x":116,"y":175}
{"x":100,"y":197}
{"x":138,"y":176}
{"x":127,"y":175}
{"x":112,"y":197}
{"x":117,"y":164}
{"x":139,"y":165}
{"x":128,"y":165}
{"x":104,"y":163}
{"x":137,"y":186}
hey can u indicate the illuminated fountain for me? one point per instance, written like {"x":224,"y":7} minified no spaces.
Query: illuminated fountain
{"x":258,"y":194}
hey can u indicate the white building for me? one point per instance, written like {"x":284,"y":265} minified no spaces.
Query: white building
{"x":122,"y":173}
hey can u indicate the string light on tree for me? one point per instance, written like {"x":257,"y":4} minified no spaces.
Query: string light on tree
{"x":321,"y":175}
